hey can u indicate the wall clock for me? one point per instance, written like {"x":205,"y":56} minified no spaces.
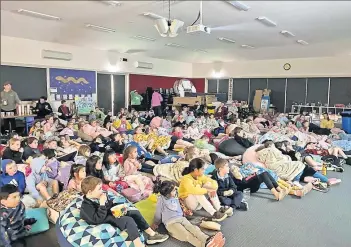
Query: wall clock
{"x":287,"y":66}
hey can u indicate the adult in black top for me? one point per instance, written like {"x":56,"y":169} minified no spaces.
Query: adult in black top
{"x":240,"y":138}
{"x":42,"y":108}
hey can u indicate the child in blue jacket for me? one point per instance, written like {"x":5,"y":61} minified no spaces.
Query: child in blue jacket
{"x":11,"y":175}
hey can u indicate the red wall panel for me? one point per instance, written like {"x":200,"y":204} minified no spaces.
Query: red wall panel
{"x":141,"y":82}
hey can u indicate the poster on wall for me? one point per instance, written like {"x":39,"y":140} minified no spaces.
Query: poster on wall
{"x":84,"y":105}
{"x":65,"y":82}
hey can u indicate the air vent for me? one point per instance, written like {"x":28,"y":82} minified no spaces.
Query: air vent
{"x":143,"y":65}
{"x":58,"y":55}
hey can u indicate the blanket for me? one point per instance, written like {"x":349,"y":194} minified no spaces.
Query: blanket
{"x":171,"y":171}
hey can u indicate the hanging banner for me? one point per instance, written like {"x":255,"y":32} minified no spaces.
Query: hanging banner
{"x":65,"y":82}
{"x":84,"y":105}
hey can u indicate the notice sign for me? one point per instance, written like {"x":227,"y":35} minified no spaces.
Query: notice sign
{"x":84,"y":105}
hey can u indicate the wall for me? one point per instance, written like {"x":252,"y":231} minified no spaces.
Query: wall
{"x":25,"y":52}
{"x":141,"y":82}
{"x":306,"y":67}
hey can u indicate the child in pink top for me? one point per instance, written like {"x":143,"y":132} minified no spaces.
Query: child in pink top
{"x":77,"y":176}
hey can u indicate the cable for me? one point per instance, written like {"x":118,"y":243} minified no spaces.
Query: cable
{"x":198,"y":17}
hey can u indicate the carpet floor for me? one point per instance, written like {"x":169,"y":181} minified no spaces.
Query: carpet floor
{"x":318,"y":219}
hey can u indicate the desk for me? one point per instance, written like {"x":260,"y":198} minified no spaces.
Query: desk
{"x":18,"y":116}
{"x":320,"y":108}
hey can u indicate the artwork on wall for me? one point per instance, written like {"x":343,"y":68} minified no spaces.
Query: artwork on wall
{"x":66,"y":84}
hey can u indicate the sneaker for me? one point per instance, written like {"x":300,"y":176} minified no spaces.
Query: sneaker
{"x":244,"y":206}
{"x":320,"y":187}
{"x":333,"y":181}
{"x":218,"y":216}
{"x":157,"y":238}
{"x":227,"y":210}
{"x":339,"y":169}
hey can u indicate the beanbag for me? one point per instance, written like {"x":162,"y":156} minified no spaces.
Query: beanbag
{"x":42,"y":223}
{"x":250,"y":156}
{"x":231,"y":148}
{"x":147,"y":208}
{"x":80,"y":233}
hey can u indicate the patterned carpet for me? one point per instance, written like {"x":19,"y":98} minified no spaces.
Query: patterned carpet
{"x":315,"y":220}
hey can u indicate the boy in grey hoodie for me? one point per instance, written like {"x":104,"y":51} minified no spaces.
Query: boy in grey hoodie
{"x":38,"y":182}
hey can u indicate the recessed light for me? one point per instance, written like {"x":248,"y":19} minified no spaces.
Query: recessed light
{"x":287,"y":33}
{"x":38,"y":15}
{"x":139,"y":37}
{"x":153,"y":16}
{"x":226,"y":40}
{"x":174,"y":45}
{"x":199,"y":50}
{"x":302,"y":42}
{"x":239,"y":5}
{"x":247,"y":46}
{"x":266,"y":21}
{"x":100,"y":28}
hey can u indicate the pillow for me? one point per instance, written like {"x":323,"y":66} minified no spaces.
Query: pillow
{"x":42,"y":223}
{"x":147,"y":208}
{"x":210,"y":225}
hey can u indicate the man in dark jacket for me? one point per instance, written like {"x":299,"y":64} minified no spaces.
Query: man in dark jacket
{"x":227,"y":191}
{"x":42,"y":108}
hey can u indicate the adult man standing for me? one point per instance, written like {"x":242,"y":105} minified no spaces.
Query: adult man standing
{"x":9,"y":102}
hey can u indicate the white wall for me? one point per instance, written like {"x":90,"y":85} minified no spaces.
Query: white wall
{"x":307,"y":67}
{"x":25,"y":52}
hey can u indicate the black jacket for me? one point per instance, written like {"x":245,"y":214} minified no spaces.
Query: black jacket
{"x":28,"y":151}
{"x":12,"y":155}
{"x":289,"y":153}
{"x":95,"y":214}
{"x":42,"y":109}
{"x":224,"y":185}
{"x":115,"y":146}
{"x":243,"y":141}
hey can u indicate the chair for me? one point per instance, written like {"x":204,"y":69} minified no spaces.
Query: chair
{"x":29,"y":123}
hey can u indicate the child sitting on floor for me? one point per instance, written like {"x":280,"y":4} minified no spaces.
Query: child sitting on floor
{"x":39,"y":185}
{"x":14,"y":151}
{"x":227,"y":191}
{"x":96,"y":209}
{"x":11,"y":175}
{"x":13,"y":225}
{"x":77,"y":175}
{"x":169,"y":212}
{"x":199,"y":191}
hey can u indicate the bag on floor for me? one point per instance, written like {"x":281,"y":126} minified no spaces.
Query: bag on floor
{"x":132,"y":195}
{"x":55,"y":206}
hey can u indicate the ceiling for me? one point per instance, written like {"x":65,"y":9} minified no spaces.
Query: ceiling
{"x":325,"y":25}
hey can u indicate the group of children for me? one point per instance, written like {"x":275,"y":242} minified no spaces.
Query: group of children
{"x":118,"y":155}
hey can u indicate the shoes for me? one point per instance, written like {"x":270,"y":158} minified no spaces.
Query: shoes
{"x":215,"y":241}
{"x":227,"y":210}
{"x":157,"y":238}
{"x":338,"y":169}
{"x":244,"y":206}
{"x":218,"y":216}
{"x":321,"y":187}
{"x":29,"y":221}
{"x":333,"y":181}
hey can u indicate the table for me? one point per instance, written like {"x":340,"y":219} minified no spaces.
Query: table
{"x":18,"y":116}
{"x":320,"y":108}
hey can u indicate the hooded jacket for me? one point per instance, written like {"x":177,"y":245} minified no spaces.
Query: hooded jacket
{"x":36,"y":177}
{"x":18,"y":179}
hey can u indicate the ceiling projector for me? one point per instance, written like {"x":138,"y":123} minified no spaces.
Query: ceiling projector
{"x":168,"y":27}
{"x":198,"y":28}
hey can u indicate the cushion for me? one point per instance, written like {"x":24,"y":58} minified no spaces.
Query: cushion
{"x":42,"y":223}
{"x":80,"y":233}
{"x":147,"y":208}
{"x":231,"y":148}
{"x":210,"y":225}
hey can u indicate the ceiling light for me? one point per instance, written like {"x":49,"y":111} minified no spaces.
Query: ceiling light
{"x":38,"y":15}
{"x":199,"y":50}
{"x":239,"y":5}
{"x":153,"y":16}
{"x":266,"y":21}
{"x":287,"y":33}
{"x":226,"y":40}
{"x":247,"y":46}
{"x":174,"y":45}
{"x":302,"y":42}
{"x":100,"y":28}
{"x":111,"y":3}
{"x":143,"y":38}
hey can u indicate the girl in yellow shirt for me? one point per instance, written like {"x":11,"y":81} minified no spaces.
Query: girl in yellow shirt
{"x":199,"y":191}
{"x":326,"y":122}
